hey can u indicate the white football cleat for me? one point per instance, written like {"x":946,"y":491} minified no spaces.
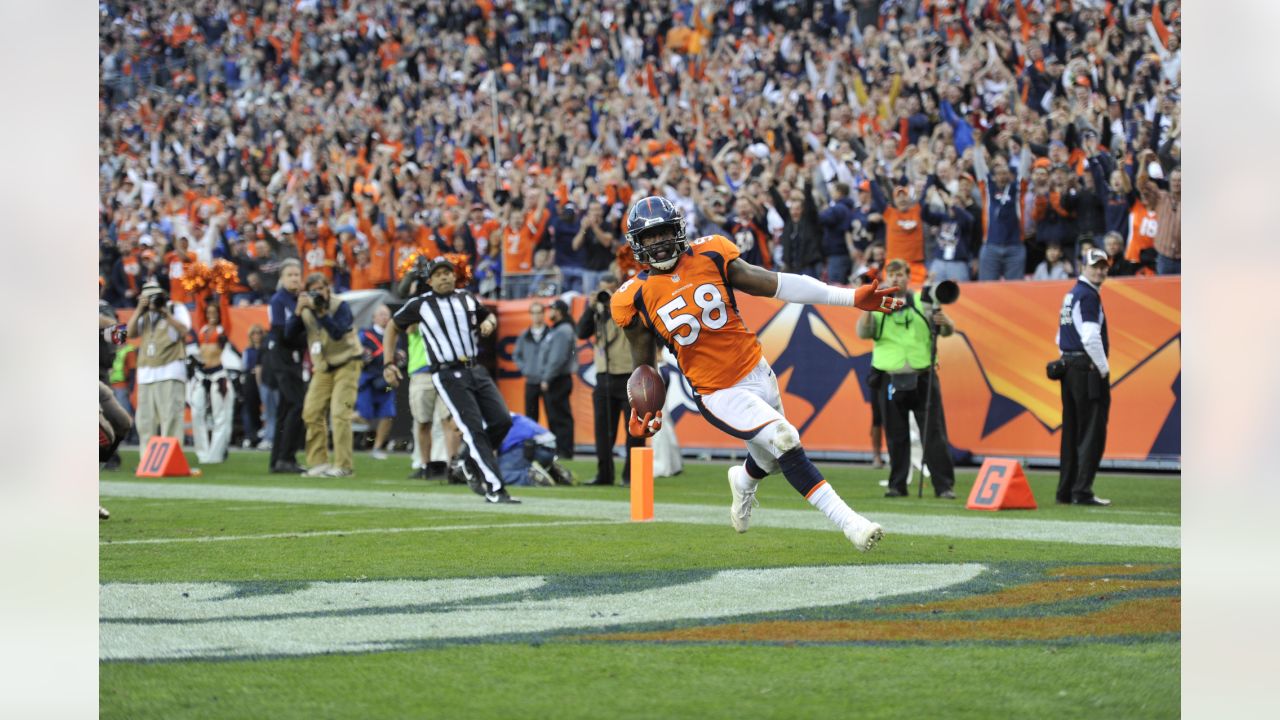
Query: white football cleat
{"x":864,"y":535}
{"x":743,"y":499}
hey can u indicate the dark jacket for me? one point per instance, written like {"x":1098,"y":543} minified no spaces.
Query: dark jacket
{"x":801,"y":247}
{"x":835,"y":220}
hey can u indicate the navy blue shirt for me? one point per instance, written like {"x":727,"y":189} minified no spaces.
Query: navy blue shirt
{"x":1003,"y":226}
{"x":374,"y":355}
{"x":562,"y":234}
{"x":1082,"y":305}
{"x":283,"y":351}
{"x":953,"y":229}
{"x":835,"y":219}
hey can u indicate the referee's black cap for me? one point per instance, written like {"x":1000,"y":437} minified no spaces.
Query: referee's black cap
{"x":440,"y":262}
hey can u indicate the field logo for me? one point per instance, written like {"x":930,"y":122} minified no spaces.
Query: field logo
{"x":148,"y":621}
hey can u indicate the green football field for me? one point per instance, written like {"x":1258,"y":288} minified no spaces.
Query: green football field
{"x":239,"y":594}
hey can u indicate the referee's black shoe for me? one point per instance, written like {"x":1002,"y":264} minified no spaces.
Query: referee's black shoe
{"x":1093,"y":500}
{"x":500,"y":497}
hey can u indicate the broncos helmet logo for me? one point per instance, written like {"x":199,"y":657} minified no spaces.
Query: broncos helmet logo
{"x":650,"y":216}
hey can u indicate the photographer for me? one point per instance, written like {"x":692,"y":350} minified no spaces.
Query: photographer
{"x":335,"y":359}
{"x":162,"y":327}
{"x":613,"y":368}
{"x":283,"y":363}
{"x":902,"y":352}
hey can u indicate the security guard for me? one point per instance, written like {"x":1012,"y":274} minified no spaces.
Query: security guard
{"x":902,"y":352}
{"x":1086,"y":386}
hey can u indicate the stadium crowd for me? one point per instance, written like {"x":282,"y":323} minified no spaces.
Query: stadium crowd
{"x":351,"y":135}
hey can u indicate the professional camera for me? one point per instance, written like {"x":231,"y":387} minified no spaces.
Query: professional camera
{"x":318,"y":298}
{"x":603,"y":297}
{"x":943,"y":293}
{"x":158,"y":300}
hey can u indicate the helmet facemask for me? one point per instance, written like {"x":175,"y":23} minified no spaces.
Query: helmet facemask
{"x":661,"y":255}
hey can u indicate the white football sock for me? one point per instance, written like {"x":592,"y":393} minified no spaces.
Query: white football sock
{"x":825,"y":498}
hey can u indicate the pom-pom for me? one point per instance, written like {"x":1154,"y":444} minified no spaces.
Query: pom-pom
{"x":225,"y":276}
{"x":461,"y":265}
{"x":196,"y":277}
{"x":461,"y":268}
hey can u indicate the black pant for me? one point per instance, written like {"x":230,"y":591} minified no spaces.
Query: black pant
{"x":1086,"y":405}
{"x":480,"y":414}
{"x":897,"y":431}
{"x":532,"y":394}
{"x":289,"y":429}
{"x":250,"y":407}
{"x":560,"y":415}
{"x":609,"y":400}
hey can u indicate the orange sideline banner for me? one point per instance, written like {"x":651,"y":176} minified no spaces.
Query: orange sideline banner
{"x":997,"y":398}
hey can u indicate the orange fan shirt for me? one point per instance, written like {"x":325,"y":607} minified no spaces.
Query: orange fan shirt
{"x":1142,"y":231}
{"x":175,"y":260}
{"x":693,"y":311}
{"x":517,"y":251}
{"x":319,"y":255}
{"x":904,"y":238}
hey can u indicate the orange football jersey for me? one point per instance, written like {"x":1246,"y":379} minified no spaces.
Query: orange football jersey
{"x":693,"y":311}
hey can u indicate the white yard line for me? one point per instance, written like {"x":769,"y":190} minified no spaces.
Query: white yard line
{"x":360,"y":531}
{"x":993,"y":526}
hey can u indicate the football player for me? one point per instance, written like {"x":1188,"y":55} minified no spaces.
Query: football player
{"x":686,"y":299}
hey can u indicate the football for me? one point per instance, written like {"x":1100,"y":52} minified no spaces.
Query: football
{"x":645,"y":390}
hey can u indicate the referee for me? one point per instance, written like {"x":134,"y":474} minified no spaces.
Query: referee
{"x":1086,"y":386}
{"x":449,"y":320}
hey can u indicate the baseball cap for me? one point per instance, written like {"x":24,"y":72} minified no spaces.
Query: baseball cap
{"x":1093,"y":256}
{"x":560,"y":305}
{"x":864,"y":185}
{"x":440,"y":262}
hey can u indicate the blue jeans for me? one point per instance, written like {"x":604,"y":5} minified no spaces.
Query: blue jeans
{"x":270,"y":401}
{"x":1002,"y":262}
{"x":957,"y":270}
{"x":1168,"y":265}
{"x":838,"y":269}
{"x":591,"y":281}
{"x":573,"y":277}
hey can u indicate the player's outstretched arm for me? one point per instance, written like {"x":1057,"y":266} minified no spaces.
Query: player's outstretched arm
{"x":809,"y":291}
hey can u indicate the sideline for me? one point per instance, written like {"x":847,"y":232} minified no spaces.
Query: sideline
{"x":986,"y":526}
{"x":340,"y":533}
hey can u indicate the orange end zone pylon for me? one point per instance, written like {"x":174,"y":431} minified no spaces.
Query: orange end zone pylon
{"x":163,"y":458}
{"x":641,"y":483}
{"x":1001,"y":485}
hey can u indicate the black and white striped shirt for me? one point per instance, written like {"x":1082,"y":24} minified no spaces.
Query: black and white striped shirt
{"x":448,"y":323}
